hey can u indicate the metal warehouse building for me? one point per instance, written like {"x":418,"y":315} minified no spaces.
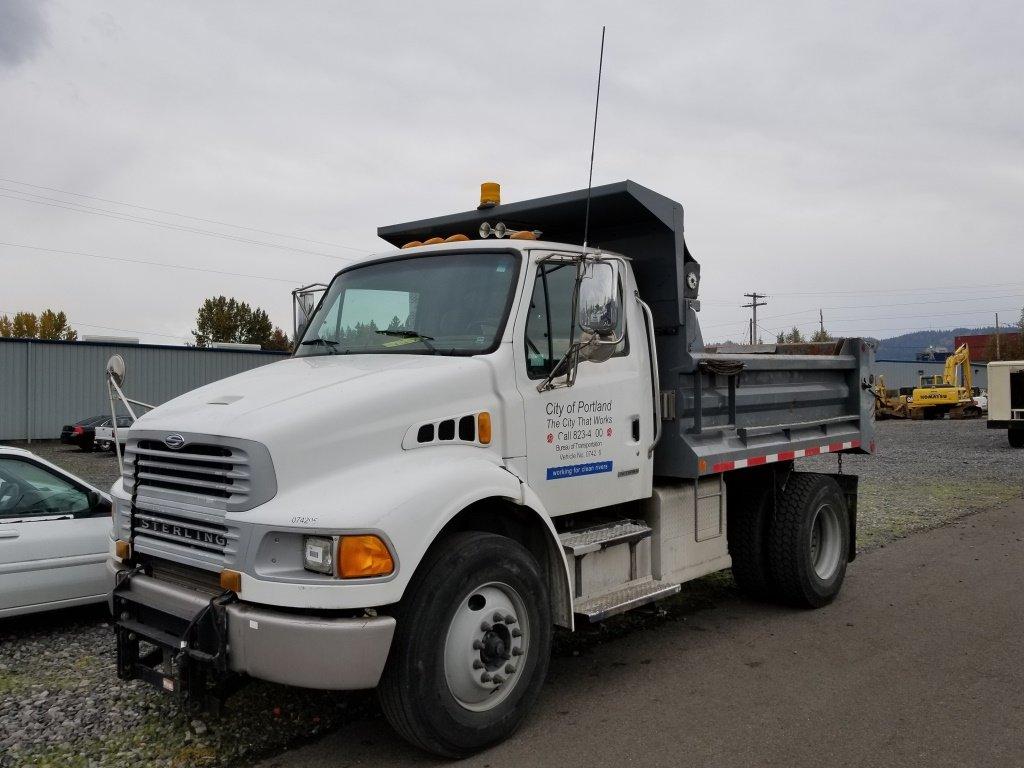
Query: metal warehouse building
{"x":46,"y":384}
{"x":908,"y":373}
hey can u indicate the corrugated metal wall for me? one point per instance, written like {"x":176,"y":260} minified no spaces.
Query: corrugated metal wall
{"x":46,"y":384}
{"x":902,"y":373}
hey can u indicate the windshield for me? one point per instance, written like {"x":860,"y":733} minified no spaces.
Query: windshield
{"x":445,"y":304}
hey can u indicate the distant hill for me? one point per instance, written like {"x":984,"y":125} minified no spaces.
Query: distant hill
{"x":905,"y":347}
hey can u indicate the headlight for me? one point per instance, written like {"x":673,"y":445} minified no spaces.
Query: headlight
{"x":318,"y":554}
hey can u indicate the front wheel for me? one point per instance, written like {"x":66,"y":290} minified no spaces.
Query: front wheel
{"x":809,"y":540}
{"x":471,"y":648}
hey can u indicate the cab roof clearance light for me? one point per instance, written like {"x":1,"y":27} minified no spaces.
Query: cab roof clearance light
{"x":456,"y":238}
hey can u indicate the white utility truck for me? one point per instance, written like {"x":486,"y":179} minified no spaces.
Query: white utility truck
{"x":1006,"y":399}
{"x":484,"y":433}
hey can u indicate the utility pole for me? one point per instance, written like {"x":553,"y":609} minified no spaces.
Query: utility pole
{"x":754,"y":304}
{"x":998,"y":357}
{"x":821,"y":322}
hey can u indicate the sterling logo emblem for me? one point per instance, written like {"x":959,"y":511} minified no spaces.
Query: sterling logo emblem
{"x":171,"y":530}
{"x":174,"y":441}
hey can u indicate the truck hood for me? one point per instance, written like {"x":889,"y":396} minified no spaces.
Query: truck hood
{"x":345,"y":408}
{"x":300,"y":387}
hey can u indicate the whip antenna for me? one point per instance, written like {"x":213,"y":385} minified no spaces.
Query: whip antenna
{"x":593,"y":141}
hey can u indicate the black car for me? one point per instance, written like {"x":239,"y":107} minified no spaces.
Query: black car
{"x":82,"y":432}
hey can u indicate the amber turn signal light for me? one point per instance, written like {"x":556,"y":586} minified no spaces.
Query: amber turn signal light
{"x":123,"y":549}
{"x":412,"y":244}
{"x":483,"y":427}
{"x":231,"y":580}
{"x":363,"y":556}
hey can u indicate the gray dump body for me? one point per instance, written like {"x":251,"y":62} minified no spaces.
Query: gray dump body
{"x":722,"y":409}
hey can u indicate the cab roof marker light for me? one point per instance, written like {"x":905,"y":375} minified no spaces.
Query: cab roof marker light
{"x":434,"y":241}
{"x":458,"y":238}
{"x":412,"y":244}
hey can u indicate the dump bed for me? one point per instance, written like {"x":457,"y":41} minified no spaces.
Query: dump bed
{"x":728,"y":409}
{"x":722,"y":409}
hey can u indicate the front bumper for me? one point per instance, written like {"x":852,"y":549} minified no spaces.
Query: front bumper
{"x":310,"y":651}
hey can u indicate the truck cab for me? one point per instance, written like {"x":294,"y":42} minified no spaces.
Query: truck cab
{"x":478,"y":439}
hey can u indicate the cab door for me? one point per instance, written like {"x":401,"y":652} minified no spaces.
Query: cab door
{"x":586,"y":444}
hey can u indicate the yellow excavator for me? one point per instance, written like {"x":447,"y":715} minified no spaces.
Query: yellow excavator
{"x":949,"y":393}
{"x":889,"y":406}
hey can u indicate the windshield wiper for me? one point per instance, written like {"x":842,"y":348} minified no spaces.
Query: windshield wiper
{"x":404,"y":333}
{"x":323,"y":342}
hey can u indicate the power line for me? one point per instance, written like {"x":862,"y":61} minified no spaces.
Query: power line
{"x":183,"y":215}
{"x":25,"y":197}
{"x":143,"y":262}
{"x":867,"y":306}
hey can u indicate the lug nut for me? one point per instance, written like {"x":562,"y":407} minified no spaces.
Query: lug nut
{"x":509,"y":669}
{"x":510,"y":619}
{"x":485,"y":627}
{"x":477,"y":645}
{"x":517,"y":651}
{"x":498,"y":679}
{"x":477,"y":664}
{"x":485,"y":677}
{"x":516,"y":632}
{"x":498,"y":617}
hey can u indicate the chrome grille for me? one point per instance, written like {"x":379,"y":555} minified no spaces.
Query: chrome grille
{"x":197,"y":470}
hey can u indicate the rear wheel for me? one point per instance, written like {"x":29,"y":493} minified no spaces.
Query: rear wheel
{"x":105,"y":445}
{"x":809,"y":540}
{"x":471,"y":648}
{"x":1016,"y":437}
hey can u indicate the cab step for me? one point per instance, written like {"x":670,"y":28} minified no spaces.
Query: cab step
{"x":621,"y":600}
{"x":598,"y":537}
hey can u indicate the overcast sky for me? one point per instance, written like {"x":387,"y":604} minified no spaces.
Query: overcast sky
{"x":866,"y":158}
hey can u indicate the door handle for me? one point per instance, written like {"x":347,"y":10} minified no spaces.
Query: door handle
{"x":9,"y":534}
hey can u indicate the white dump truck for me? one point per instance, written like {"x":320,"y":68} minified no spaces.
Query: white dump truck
{"x":486,"y":431}
{"x":1006,"y":399}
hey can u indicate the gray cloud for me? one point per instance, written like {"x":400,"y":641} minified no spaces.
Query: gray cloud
{"x":817,"y":147}
{"x":22,"y":30}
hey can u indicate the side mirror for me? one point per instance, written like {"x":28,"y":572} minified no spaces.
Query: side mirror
{"x":598,"y":305}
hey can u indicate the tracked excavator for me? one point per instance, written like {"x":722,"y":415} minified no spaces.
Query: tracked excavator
{"x":948,"y":393}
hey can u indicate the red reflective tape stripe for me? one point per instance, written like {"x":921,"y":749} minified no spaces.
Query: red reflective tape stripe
{"x":753,"y":461}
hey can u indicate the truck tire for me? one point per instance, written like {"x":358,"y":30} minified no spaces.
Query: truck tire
{"x":471,"y":646}
{"x":808,"y":542}
{"x":1016,"y":437}
{"x":747,"y":532}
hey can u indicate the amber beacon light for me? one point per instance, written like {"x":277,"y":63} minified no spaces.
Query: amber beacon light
{"x":490,"y":194}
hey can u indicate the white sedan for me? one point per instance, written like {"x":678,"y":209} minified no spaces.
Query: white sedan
{"x":54,"y":536}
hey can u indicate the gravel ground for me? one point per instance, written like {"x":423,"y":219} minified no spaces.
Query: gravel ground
{"x":61,"y":704}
